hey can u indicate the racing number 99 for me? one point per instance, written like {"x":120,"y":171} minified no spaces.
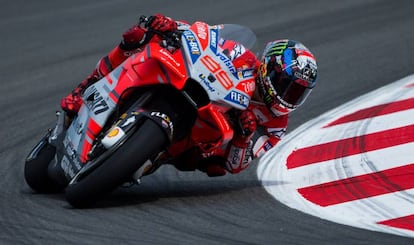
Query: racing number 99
{"x":219,"y":73}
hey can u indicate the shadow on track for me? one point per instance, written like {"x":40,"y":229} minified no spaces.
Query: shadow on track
{"x":154,"y":188}
{"x":152,"y":192}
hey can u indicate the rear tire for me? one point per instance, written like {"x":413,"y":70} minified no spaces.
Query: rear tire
{"x":147,"y":141}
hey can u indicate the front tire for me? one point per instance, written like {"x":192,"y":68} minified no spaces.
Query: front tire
{"x":147,"y":141}
{"x":36,"y":170}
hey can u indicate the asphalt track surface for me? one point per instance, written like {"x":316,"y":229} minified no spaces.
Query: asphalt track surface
{"x":47,"y":47}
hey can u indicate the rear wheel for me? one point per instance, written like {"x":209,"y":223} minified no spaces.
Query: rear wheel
{"x":145,"y":143}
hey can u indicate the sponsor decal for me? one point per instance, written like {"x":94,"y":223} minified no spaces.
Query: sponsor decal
{"x":192,"y":45}
{"x":235,"y":159}
{"x":277,"y":49}
{"x":237,"y":98}
{"x":227,"y":62}
{"x":165,"y":120}
{"x":207,"y":83}
{"x":307,"y":69}
{"x":113,"y":133}
{"x":247,"y":86}
{"x":69,"y":162}
{"x":246,"y":73}
{"x":201,"y":30}
{"x":78,"y":127}
{"x":202,"y":34}
{"x":95,"y":101}
{"x":267,"y":146}
{"x":213,"y":40}
{"x":112,"y":137}
{"x":67,"y":167}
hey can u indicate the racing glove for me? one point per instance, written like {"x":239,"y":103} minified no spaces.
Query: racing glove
{"x":161,"y":23}
{"x":136,"y":36}
{"x":247,"y":121}
{"x":133,"y":38}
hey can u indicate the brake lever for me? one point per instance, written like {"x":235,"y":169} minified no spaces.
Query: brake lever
{"x":143,"y":21}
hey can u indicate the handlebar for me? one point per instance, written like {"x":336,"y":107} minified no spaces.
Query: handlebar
{"x":170,"y":39}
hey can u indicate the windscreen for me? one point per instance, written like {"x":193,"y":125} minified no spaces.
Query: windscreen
{"x":238,"y":33}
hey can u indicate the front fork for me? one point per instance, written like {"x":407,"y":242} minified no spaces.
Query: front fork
{"x":62,"y":123}
{"x":51,"y":137}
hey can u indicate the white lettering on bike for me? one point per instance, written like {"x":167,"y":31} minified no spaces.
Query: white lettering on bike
{"x":213,"y":39}
{"x":237,"y":97}
{"x":201,"y":30}
{"x":165,"y":119}
{"x":249,"y":87}
{"x":66,"y":166}
{"x":236,"y":156}
{"x":192,"y":43}
{"x":167,"y":54}
{"x":227,"y":62}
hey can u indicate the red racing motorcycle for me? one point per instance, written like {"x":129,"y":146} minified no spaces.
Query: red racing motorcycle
{"x":183,"y":87}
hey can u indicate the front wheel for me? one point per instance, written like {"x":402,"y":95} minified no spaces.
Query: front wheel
{"x":146,"y":142}
{"x":36,"y":168}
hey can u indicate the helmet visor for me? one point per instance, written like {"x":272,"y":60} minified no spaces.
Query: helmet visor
{"x":290,"y":93}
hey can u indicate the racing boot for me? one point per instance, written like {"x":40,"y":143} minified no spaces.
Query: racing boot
{"x":191,"y":160}
{"x":130,"y":44}
{"x":213,"y":166}
{"x":73,"y":101}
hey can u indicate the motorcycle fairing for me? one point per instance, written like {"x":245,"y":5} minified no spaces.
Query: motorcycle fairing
{"x":212,"y":129}
{"x":101,"y":98}
{"x":157,"y":65}
{"x":211,"y":67}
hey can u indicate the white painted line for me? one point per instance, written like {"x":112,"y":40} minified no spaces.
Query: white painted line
{"x":365,"y":212}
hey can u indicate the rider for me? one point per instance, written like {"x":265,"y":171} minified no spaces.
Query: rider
{"x":285,"y":76}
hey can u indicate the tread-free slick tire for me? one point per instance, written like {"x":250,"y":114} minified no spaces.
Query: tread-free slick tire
{"x":145,"y":142}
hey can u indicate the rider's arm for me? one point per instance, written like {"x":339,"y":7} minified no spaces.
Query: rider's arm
{"x":133,"y":40}
{"x":268,"y":135}
{"x":241,"y":151}
{"x":238,"y":153}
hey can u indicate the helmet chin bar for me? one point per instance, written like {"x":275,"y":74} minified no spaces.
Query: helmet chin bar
{"x":280,"y":110}
{"x":281,"y":107}
{"x":284,"y":104}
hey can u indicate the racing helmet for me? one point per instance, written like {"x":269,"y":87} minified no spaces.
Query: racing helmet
{"x":286,"y":75}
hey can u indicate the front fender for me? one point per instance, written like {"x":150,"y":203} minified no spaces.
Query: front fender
{"x":132,"y":120}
